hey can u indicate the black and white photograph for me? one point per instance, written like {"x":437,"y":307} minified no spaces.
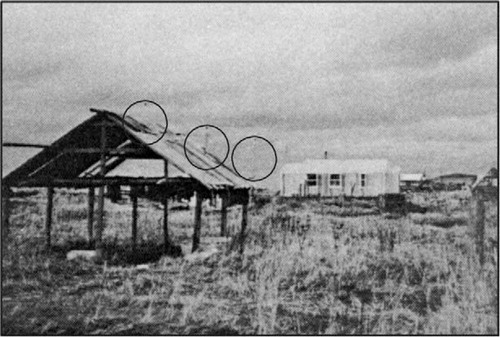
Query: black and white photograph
{"x":249,"y":168}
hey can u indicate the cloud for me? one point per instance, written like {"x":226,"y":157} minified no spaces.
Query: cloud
{"x":289,"y":66}
{"x":429,"y":33}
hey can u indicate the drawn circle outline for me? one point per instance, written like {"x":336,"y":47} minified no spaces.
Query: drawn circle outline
{"x":225,"y":137}
{"x":154,"y":103}
{"x":275,"y":158}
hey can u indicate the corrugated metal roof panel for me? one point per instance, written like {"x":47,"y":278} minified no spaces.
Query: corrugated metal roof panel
{"x":171,"y":147}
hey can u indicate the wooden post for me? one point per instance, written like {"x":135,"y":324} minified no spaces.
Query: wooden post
{"x":5,"y":213}
{"x":134,"y":222}
{"x":223,"y":214}
{"x":48,"y":217}
{"x":244,"y":222}
{"x":100,"y":222}
{"x":197,"y":222}
{"x":90,"y":220}
{"x":166,"y":239}
{"x":480,"y":225}
{"x":100,"y":200}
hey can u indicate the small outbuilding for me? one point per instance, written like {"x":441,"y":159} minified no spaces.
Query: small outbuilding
{"x":411,"y":181}
{"x":332,"y":177}
{"x":456,"y":179}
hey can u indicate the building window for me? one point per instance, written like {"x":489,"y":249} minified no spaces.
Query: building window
{"x":312,"y":180}
{"x":363,"y":180}
{"x":335,"y":180}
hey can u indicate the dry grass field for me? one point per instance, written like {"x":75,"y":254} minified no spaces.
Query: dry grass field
{"x":352,"y":271}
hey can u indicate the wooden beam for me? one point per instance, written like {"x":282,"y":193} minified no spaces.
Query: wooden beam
{"x":134,"y":222}
{"x":111,"y":163}
{"x":105,"y":123}
{"x":48,"y":216}
{"x":46,"y":164}
{"x":100,"y":222}
{"x":244,"y":222}
{"x":90,"y":216}
{"x":166,"y":239}
{"x":100,"y":181}
{"x":6,"y":192}
{"x":197,"y":222}
{"x":479,"y":224}
{"x":100,"y":201}
{"x":11,"y":144}
{"x":223,"y":214}
{"x":124,"y":152}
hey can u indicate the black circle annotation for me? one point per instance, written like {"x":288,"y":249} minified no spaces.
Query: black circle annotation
{"x":186,"y":152}
{"x":161,"y":109}
{"x":275,"y":158}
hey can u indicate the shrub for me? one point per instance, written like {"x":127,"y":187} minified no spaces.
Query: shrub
{"x":440,"y":220}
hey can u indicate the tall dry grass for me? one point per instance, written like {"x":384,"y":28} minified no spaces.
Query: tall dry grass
{"x":344,"y":275}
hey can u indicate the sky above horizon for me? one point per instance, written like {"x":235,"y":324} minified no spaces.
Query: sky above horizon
{"x":415,"y":83}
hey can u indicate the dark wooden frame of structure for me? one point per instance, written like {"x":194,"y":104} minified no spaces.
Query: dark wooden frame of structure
{"x":78,"y":160}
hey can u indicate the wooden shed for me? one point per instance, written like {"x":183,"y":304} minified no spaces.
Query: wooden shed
{"x":84,"y":156}
{"x":330,"y":177}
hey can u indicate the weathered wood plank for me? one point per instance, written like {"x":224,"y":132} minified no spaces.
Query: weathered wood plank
{"x":11,"y":144}
{"x":90,"y":216}
{"x":166,"y":239}
{"x":6,"y":209}
{"x":48,"y":216}
{"x":244,"y":223}
{"x":223,"y":214}
{"x":99,"y":181}
{"x":134,"y":222}
{"x":197,"y":222}
{"x":479,"y":223}
{"x":125,"y":152}
{"x":100,"y":201}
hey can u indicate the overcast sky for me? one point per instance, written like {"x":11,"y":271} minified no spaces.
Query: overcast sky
{"x":414,"y":79}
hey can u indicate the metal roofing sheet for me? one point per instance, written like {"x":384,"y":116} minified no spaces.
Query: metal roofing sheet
{"x":171,"y":148}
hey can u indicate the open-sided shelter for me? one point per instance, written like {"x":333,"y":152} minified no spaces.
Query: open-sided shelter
{"x":84,"y":157}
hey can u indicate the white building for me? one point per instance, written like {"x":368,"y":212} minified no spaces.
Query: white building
{"x":326,"y":177}
{"x":411,"y":179}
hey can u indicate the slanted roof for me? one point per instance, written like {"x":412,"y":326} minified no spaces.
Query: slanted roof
{"x":488,"y":178}
{"x":322,"y":166}
{"x":13,"y":157}
{"x":411,"y":177}
{"x":58,"y":161}
{"x":457,"y":176}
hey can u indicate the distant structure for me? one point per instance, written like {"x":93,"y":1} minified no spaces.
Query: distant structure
{"x":455,"y":180}
{"x":411,"y":181}
{"x":328,"y":177}
{"x":492,"y":177}
{"x":487,"y":184}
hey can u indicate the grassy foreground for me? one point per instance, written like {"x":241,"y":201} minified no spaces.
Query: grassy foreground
{"x":366,"y":274}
